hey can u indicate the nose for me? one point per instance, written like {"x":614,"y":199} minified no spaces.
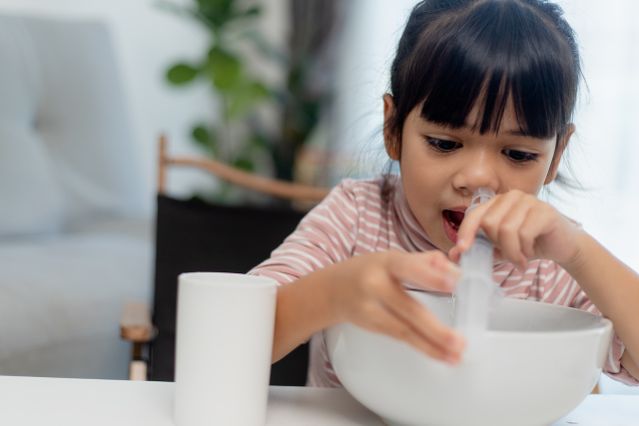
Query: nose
{"x":477,"y":171}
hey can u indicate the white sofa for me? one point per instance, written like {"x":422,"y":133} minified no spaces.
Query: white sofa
{"x":74,"y":241}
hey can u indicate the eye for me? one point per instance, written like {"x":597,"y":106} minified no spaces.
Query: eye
{"x":520,"y":156}
{"x":442,"y":145}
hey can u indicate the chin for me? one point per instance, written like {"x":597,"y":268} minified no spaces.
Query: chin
{"x":446,"y":247}
{"x":443,"y":244}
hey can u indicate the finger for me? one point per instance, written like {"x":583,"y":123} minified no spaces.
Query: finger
{"x":497,"y":255}
{"x":493,"y":219}
{"x":437,"y":261}
{"x":430,"y":270}
{"x":508,"y":239}
{"x":424,"y":322}
{"x":531,"y":228}
{"x":454,"y":254}
{"x":470,"y":225}
{"x":388,"y":323}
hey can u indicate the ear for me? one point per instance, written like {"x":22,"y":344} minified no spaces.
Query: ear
{"x":562,"y":143}
{"x":391,"y":141}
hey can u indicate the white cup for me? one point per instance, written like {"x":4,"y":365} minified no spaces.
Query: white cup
{"x":223,"y":348}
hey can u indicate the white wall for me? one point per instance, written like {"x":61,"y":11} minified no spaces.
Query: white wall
{"x":148,"y":39}
{"x":364,"y":59}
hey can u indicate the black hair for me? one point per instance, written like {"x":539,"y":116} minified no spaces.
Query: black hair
{"x":455,"y":53}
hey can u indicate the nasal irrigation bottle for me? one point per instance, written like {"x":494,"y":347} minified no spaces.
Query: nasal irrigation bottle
{"x":476,"y":290}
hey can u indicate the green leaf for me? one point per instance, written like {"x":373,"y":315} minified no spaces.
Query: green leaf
{"x":217,"y":12}
{"x":216,"y":5}
{"x":224,"y":69}
{"x":205,"y":138}
{"x":259,"y":141}
{"x":245,"y":98}
{"x":244,"y":163}
{"x":259,"y":90}
{"x":182,"y":73}
{"x":201,"y":135}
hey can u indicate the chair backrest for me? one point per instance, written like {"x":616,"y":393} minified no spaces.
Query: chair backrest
{"x":193,"y":235}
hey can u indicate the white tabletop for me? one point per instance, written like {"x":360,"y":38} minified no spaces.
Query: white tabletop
{"x":46,"y":401}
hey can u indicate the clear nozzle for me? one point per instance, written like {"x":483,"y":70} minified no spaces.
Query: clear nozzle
{"x":481,"y":195}
{"x":479,"y":257}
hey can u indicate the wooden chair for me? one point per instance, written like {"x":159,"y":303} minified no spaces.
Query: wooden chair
{"x":193,"y":235}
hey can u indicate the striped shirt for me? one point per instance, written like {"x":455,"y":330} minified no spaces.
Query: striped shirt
{"x":354,"y":219}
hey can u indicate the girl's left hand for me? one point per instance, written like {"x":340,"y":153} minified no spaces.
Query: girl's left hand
{"x":521,"y":227}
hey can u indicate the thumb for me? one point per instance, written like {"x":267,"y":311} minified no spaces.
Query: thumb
{"x":454,"y":254}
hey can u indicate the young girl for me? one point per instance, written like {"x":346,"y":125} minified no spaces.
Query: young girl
{"x":482,"y":95}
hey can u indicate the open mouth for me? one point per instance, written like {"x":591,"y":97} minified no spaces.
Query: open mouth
{"x":453,"y":218}
{"x":452,"y":222}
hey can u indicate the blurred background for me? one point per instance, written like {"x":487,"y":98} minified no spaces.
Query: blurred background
{"x":286,"y":88}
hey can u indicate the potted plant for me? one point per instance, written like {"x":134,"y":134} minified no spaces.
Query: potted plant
{"x":239,"y":136}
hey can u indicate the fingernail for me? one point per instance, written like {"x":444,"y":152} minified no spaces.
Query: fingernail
{"x":453,"y":254}
{"x":456,"y":342}
{"x":453,"y":359}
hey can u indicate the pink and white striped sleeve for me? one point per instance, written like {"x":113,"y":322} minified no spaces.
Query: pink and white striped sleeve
{"x":564,"y":290}
{"x":326,"y":235}
{"x":613,"y":366}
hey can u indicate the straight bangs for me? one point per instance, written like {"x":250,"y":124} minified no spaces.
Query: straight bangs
{"x":486,"y":55}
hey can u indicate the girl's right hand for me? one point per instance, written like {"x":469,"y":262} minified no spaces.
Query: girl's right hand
{"x":369,"y":292}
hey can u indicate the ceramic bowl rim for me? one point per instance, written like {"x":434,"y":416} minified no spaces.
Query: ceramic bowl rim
{"x":601,"y":326}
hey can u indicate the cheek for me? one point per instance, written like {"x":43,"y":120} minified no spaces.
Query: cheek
{"x":423,"y":186}
{"x":423,"y":175}
{"x":536,"y":178}
{"x":530,"y":182}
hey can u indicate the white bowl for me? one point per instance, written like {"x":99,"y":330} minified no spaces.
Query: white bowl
{"x":536,"y":363}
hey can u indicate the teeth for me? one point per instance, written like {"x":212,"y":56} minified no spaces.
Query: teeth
{"x":455,"y":218}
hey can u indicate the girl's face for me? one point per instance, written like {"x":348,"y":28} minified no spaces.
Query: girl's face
{"x":441,"y":167}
